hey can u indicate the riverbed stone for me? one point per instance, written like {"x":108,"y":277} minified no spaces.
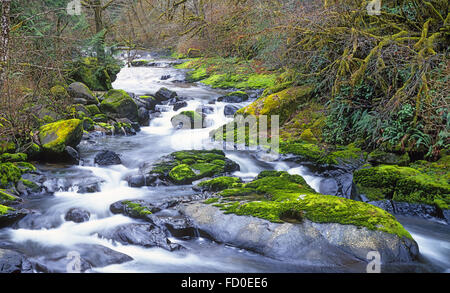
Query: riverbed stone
{"x":13,"y":262}
{"x":118,"y":104}
{"x":107,"y":158}
{"x":164,"y":94}
{"x":80,"y":92}
{"x":55,"y":137}
{"x":146,"y":235}
{"x":77,"y":215}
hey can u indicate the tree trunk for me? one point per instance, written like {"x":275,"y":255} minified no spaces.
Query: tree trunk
{"x":100,"y":44}
{"x":4,"y":41}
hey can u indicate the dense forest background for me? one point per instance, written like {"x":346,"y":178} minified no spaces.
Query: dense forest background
{"x":383,"y":79}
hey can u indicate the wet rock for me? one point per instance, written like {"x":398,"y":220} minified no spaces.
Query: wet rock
{"x":326,"y":244}
{"x":234,"y":97}
{"x":144,"y":116}
{"x":164,"y":94}
{"x":77,"y":215}
{"x":378,"y":157}
{"x":89,"y":256}
{"x":9,"y":216}
{"x":155,"y":114}
{"x":206,"y":110}
{"x":446,"y":214}
{"x":118,"y":104}
{"x":178,"y":226}
{"x":72,"y":155}
{"x":141,"y":180}
{"x":107,"y":158}
{"x":89,"y":187}
{"x":383,"y":204}
{"x":55,"y":137}
{"x":230,"y":110}
{"x":146,"y":235}
{"x":147,"y":101}
{"x":415,"y":210}
{"x":139,"y":209}
{"x":165,"y":77}
{"x":13,"y":262}
{"x":179,"y":105}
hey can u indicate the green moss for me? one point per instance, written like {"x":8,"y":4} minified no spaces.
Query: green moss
{"x":240,"y":81}
{"x":279,"y":104}
{"x":93,"y":110}
{"x":403,"y":184}
{"x":219,"y":183}
{"x":184,"y":167}
{"x":139,"y":209}
{"x":5,"y":197}
{"x":25,"y":167}
{"x":5,"y":210}
{"x":59,"y":92}
{"x":287,"y":198}
{"x":182,"y":174}
{"x":211,"y":200}
{"x":140,"y":62}
{"x":96,"y":76}
{"x":56,"y":136}
{"x":118,"y":104}
{"x":9,"y":175}
{"x":308,"y":136}
{"x":379,"y":157}
{"x":88,"y":124}
{"x":31,"y":185}
{"x":19,"y":157}
{"x":100,"y":118}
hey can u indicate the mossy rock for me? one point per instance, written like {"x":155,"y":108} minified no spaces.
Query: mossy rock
{"x":219,"y":183}
{"x":54,"y":137}
{"x":280,"y":103}
{"x":281,"y":197}
{"x":118,"y":104}
{"x":88,"y":124}
{"x":59,"y":92}
{"x":92,"y":73}
{"x":100,"y":118}
{"x":139,"y":62}
{"x":188,"y":120}
{"x":402,"y":184}
{"x":93,"y":110}
{"x":184,"y":167}
{"x":10,"y":174}
{"x":19,"y":157}
{"x":7,"y":198}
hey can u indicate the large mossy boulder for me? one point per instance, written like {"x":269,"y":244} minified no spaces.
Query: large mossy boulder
{"x":279,"y":103}
{"x":184,"y":167}
{"x":404,"y":184}
{"x":119,"y":104}
{"x":55,"y":137}
{"x":96,"y":76}
{"x":81,"y":94}
{"x":7,"y":146}
{"x":283,"y":217}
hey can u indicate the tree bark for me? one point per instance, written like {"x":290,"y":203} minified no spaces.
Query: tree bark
{"x":4,"y":40}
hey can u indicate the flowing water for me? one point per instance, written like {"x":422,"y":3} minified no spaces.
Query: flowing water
{"x":46,"y":238}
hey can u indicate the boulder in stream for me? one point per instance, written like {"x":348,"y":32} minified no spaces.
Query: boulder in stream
{"x":55,"y":137}
{"x":107,"y":158}
{"x":119,"y":104}
{"x":77,"y":215}
{"x":164,"y":94}
{"x":80,"y":92}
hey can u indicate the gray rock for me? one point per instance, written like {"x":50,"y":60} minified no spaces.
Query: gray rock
{"x":12,"y":216}
{"x":107,"y":158}
{"x":164,"y":94}
{"x":180,"y":104}
{"x":77,"y":215}
{"x":230,"y":110}
{"x":141,"y":180}
{"x":325,"y":244}
{"x":126,"y":207}
{"x":13,"y":262}
{"x":146,"y":235}
{"x":79,"y":92}
{"x":143,"y":116}
{"x":383,"y":204}
{"x":203,"y":109}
